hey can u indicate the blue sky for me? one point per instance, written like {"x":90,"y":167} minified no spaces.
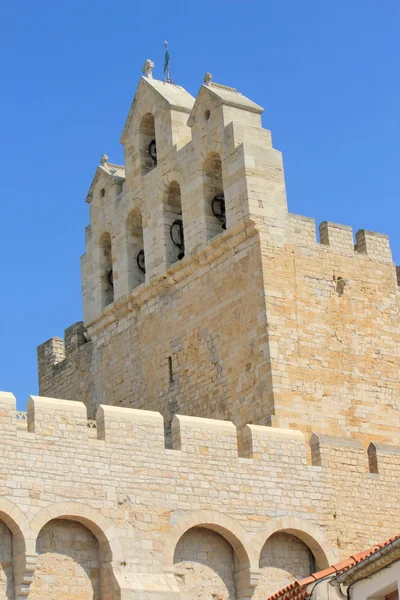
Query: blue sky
{"x":327,"y":74}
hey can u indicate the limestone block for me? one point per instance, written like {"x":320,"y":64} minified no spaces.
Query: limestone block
{"x":8,"y":425}
{"x":376,"y":245}
{"x":302,"y":230}
{"x":143,"y":429}
{"x":335,"y":453}
{"x":338,"y":237}
{"x":270,"y":444}
{"x":57,"y":418}
{"x":204,"y":437}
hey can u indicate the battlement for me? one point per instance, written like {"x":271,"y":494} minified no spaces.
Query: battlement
{"x":55,"y":350}
{"x":134,"y":499}
{"x":64,"y":366}
{"x":141,"y":432}
{"x":340,"y":238}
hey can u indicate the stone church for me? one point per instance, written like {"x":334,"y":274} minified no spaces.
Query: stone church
{"x":225,"y":419}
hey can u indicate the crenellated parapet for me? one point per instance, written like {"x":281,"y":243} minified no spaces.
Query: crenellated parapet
{"x":139,"y":498}
{"x":64,"y":366}
{"x":340,"y":238}
{"x":141,"y":432}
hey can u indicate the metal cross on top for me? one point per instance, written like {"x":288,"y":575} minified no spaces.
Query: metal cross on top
{"x":148,"y":69}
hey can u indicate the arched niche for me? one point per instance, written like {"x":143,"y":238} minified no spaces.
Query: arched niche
{"x":211,"y":529}
{"x":213,"y":195}
{"x":147,"y":143}
{"x":173,"y":224}
{"x":68,"y":565}
{"x":85,"y":523}
{"x":289,"y":548}
{"x":106,"y":270}
{"x":283,"y":559}
{"x":205,"y":564}
{"x":135,"y":250}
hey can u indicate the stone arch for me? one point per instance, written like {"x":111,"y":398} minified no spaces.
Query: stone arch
{"x":16,"y":522}
{"x":22,"y":558}
{"x":69,"y":563}
{"x":308,"y":533}
{"x":174,"y":175}
{"x":227,"y":527}
{"x":289,"y":548}
{"x":231,"y":565}
{"x":99,"y":525}
{"x":212,"y":146}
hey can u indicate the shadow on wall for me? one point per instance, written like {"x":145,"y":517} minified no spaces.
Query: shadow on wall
{"x":68,"y":564}
{"x":205,"y":565}
{"x":283,"y":559}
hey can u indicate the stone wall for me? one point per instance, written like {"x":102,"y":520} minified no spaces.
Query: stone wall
{"x":334,"y":332}
{"x":156,"y":519}
{"x":171,"y":349}
{"x":306,"y":335}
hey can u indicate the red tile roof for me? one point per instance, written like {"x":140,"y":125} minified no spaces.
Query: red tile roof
{"x":297,"y":590}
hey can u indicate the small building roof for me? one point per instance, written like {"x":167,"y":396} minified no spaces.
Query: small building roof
{"x":227,"y":96}
{"x":110,"y":169}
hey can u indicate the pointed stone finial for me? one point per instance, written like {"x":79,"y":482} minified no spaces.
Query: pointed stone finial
{"x":148,"y":69}
{"x":207,"y":78}
{"x":104,"y":159}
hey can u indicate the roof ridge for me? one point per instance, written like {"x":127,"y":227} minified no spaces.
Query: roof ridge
{"x":114,"y":165}
{"x":224,"y":87}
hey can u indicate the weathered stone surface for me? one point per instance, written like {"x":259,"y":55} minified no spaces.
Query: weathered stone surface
{"x":257,"y":323}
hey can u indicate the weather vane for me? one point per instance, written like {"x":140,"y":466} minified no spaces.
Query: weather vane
{"x":167,"y":73}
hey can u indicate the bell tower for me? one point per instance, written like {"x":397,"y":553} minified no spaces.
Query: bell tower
{"x":172,"y":277}
{"x":204,"y":296}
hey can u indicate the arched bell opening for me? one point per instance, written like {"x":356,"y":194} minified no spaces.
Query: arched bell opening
{"x":106,"y":269}
{"x":173,"y":224}
{"x":135,"y":249}
{"x":148,"y":143}
{"x":214,"y":197}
